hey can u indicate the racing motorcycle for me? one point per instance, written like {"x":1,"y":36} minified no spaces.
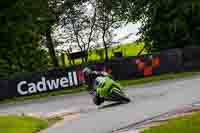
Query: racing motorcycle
{"x":112,"y":93}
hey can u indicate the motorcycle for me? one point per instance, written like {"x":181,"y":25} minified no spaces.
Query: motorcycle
{"x":115,"y":93}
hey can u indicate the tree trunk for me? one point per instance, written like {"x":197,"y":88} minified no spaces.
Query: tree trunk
{"x":106,"y":52}
{"x":86,"y":59}
{"x":63,"y":59}
{"x":50,"y":46}
{"x":140,"y":52}
{"x":105,"y":45}
{"x":82,"y":58}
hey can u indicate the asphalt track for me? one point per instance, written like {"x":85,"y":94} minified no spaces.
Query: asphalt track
{"x":147,"y":101}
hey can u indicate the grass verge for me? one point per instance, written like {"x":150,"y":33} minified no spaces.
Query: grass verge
{"x":186,"y":124}
{"x":123,"y":83}
{"x":21,"y":124}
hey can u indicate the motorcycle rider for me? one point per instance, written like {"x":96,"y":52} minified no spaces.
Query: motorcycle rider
{"x":100,"y":83}
{"x":91,"y":82}
{"x":90,"y":77}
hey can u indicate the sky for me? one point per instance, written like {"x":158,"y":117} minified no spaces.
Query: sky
{"x":127,"y":30}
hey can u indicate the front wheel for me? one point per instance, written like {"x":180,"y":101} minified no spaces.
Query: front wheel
{"x":97,"y":100}
{"x":120,"y":96}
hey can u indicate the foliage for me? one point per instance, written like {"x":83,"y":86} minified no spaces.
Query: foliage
{"x":106,"y":23}
{"x":20,"y":34}
{"x":78,"y":24}
{"x":54,"y":9}
{"x":25,"y":26}
{"x":165,"y":23}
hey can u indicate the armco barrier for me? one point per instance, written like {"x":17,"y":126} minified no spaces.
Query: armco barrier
{"x":4,"y":88}
{"x":147,"y":65}
{"x":191,"y":57}
{"x":25,"y":84}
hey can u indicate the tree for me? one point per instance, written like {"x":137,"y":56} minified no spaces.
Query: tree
{"x":106,"y":23}
{"x":79,"y":26}
{"x":23,"y":26}
{"x":165,"y":23}
{"x":20,"y":34}
{"x":55,"y":9}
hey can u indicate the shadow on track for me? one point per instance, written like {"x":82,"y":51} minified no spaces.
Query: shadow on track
{"x":110,"y":105}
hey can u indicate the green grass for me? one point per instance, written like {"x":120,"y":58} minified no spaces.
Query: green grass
{"x":21,"y":124}
{"x":130,"y":49}
{"x":186,"y":124}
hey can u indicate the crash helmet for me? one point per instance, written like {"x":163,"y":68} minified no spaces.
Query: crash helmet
{"x":87,"y":71}
{"x":99,"y":80}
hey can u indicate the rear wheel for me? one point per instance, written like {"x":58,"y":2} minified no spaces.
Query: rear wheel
{"x":119,"y":95}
